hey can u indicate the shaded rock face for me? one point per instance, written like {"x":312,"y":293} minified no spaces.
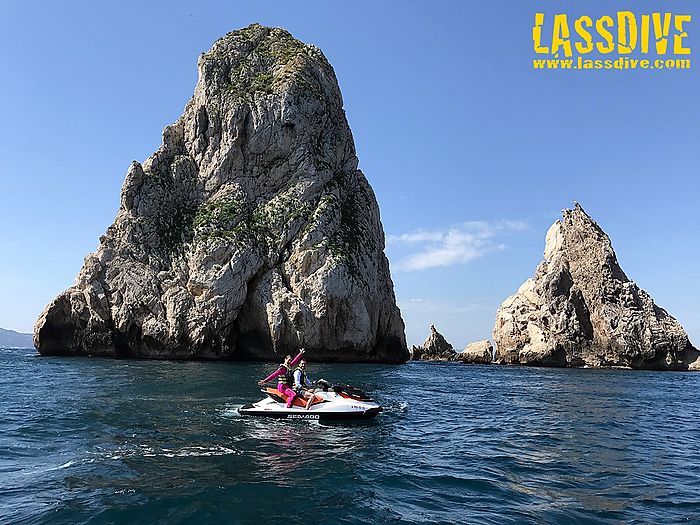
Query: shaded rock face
{"x":249,"y":233}
{"x":478,"y":353}
{"x":580,"y":309}
{"x":434,"y":348}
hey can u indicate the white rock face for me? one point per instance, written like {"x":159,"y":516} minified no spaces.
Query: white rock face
{"x":249,"y":233}
{"x":580,"y":309}
{"x":479,"y":352}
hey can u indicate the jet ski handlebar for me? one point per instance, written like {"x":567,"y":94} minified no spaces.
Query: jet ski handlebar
{"x":325,"y":385}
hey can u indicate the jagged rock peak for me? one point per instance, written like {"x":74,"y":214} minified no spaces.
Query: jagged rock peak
{"x":436,"y":342}
{"x":434,"y":348}
{"x":580,"y":309}
{"x":248,"y":233}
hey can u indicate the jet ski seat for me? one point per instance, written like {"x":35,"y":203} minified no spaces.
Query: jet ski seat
{"x":299,"y":401}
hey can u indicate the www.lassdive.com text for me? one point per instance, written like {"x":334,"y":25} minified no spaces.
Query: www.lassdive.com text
{"x":654,"y":41}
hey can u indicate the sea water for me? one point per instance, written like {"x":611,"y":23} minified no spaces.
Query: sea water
{"x":86,"y":440}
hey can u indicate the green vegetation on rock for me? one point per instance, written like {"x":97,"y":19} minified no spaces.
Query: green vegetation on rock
{"x":263,"y":225}
{"x":175,"y":230}
{"x":271,"y":58}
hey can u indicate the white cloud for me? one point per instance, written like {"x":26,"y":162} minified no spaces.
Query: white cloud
{"x":416,"y":236}
{"x":459,"y":244}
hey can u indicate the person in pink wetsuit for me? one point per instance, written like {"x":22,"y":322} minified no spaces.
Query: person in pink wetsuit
{"x":285,"y":378}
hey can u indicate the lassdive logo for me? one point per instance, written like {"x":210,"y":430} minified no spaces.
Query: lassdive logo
{"x":623,"y":41}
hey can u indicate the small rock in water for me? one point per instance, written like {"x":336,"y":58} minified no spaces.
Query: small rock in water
{"x":479,"y":352}
{"x":434,"y":348}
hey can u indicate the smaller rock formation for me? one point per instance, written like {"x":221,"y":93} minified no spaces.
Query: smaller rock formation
{"x":434,"y":348}
{"x":580,"y":309}
{"x":478,"y":353}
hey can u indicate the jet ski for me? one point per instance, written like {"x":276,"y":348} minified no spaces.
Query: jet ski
{"x":327,"y":402}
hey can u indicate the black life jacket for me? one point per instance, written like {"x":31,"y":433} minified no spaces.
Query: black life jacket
{"x":287,"y":378}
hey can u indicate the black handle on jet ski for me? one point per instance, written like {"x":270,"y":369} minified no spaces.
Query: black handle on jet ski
{"x":323,"y":384}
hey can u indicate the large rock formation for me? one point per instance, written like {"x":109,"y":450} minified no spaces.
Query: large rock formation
{"x":580,"y":309}
{"x":249,"y":233}
{"x":434,"y":348}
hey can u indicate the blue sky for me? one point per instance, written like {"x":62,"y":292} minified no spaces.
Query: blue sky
{"x":471,"y":152}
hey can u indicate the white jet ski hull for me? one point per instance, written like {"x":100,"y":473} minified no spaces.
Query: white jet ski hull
{"x":329,"y":405}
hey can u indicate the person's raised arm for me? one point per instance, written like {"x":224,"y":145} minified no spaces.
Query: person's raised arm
{"x":273,"y":375}
{"x":296,"y":359}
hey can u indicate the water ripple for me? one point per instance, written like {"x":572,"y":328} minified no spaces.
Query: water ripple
{"x":103,"y":441}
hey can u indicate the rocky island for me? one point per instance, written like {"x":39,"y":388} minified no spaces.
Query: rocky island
{"x":436,"y":348}
{"x":580,"y":309}
{"x":249,"y":233}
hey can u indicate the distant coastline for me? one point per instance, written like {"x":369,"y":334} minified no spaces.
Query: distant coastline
{"x":12,"y":339}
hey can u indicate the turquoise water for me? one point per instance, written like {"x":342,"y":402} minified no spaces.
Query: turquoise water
{"x":102,"y":441}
